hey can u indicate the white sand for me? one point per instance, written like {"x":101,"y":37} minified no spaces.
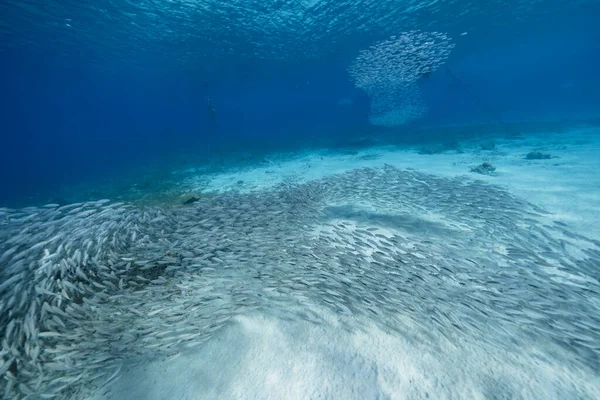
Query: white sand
{"x":258,"y":358}
{"x":568,"y":186}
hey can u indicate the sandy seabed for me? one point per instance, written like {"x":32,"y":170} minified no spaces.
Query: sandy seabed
{"x":259,"y":357}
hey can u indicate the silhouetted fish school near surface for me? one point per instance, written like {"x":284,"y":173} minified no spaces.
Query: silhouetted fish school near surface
{"x":88,"y":289}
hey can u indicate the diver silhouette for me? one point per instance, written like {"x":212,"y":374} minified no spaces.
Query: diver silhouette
{"x":212,"y":114}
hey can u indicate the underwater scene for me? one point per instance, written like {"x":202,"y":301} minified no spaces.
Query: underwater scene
{"x":308,"y":199}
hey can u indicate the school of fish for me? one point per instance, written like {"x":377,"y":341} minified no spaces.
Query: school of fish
{"x":88,"y":288}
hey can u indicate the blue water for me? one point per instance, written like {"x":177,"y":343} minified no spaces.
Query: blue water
{"x":390,"y":199}
{"x":92,"y":91}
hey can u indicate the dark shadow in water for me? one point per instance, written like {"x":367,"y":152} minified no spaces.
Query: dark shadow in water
{"x":405,"y":222}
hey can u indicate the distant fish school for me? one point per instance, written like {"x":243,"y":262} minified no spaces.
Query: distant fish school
{"x":388,"y":72}
{"x":89,"y":288}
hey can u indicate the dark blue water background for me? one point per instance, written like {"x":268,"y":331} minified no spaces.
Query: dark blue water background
{"x":85,"y":96}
